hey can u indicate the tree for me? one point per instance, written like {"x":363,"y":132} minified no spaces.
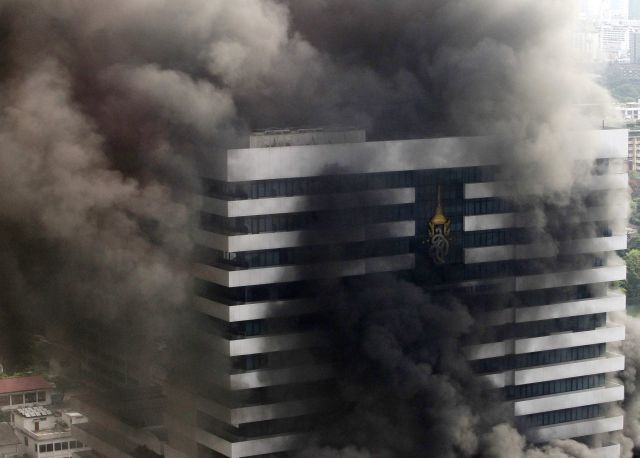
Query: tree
{"x":634,"y":218}
{"x":632,"y":283}
{"x":634,"y":242}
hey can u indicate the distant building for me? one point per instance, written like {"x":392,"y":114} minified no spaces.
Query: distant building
{"x":45,"y":434}
{"x":630,"y":112}
{"x":614,"y":41}
{"x":634,"y":150}
{"x":634,"y":9}
{"x":586,"y":40}
{"x":634,"y":48}
{"x":9,"y":442}
{"x":17,"y":392}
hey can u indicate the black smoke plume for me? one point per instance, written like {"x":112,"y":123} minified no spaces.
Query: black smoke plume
{"x":110,"y":108}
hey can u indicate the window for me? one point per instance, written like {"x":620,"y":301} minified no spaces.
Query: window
{"x":65,"y":445}
{"x":26,"y":441}
{"x":72,"y":444}
{"x":502,"y":363}
{"x":554,"y":386}
{"x":4,"y":400}
{"x":42,"y":396}
{"x":79,"y":444}
{"x":564,"y":415}
{"x":30,"y":397}
{"x":49,"y":447}
{"x":35,"y":447}
{"x":57,"y":446}
{"x":17,"y":399}
{"x":43,"y":448}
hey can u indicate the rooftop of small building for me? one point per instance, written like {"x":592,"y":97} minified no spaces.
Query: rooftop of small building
{"x":7,"y":435}
{"x":58,"y":430}
{"x":35,"y":411}
{"x":19,"y":384}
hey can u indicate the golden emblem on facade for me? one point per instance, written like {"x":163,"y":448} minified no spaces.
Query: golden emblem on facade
{"x":439,"y":231}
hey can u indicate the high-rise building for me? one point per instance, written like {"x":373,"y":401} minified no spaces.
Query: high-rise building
{"x":634,"y":48}
{"x":431,"y":207}
{"x":614,"y":40}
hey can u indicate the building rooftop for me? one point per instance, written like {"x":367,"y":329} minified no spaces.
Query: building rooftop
{"x":36,"y":411}
{"x":27,"y":383}
{"x":305,"y":136}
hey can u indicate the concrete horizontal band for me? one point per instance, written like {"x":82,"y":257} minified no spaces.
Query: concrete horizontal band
{"x":255,"y":310}
{"x":262,"y":412}
{"x":262,"y":446}
{"x":267,"y":343}
{"x":271,"y":377}
{"x":532,"y":219}
{"x":281,"y":410}
{"x":286,"y":239}
{"x":575,"y":429}
{"x":609,"y":363}
{"x":384,"y":156}
{"x":612,"y":302}
{"x":505,"y":188}
{"x":497,"y":380}
{"x":305,"y":203}
{"x":569,"y":400}
{"x":243,"y":412}
{"x":549,"y":280}
{"x":289,"y":273}
{"x":543,"y":250}
{"x":610,"y":333}
{"x":488,"y":350}
{"x":241,"y":447}
{"x":570,"y":278}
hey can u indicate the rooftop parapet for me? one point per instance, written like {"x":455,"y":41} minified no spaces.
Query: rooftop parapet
{"x":311,"y":136}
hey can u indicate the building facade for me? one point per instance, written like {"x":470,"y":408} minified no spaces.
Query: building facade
{"x":277,"y":218}
{"x":634,"y":150}
{"x":26,"y":391}
{"x":45,"y":434}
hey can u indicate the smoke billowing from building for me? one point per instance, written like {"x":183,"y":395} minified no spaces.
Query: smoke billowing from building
{"x":108,"y":107}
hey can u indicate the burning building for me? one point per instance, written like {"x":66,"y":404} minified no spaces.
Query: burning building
{"x":285,"y":223}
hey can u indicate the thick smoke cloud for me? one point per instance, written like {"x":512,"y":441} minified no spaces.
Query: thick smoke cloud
{"x":110,"y":107}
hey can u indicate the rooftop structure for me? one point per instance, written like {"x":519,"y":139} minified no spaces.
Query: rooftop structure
{"x":310,"y":136}
{"x":47,"y":434}
{"x":30,"y":412}
{"x":25,"y":391}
